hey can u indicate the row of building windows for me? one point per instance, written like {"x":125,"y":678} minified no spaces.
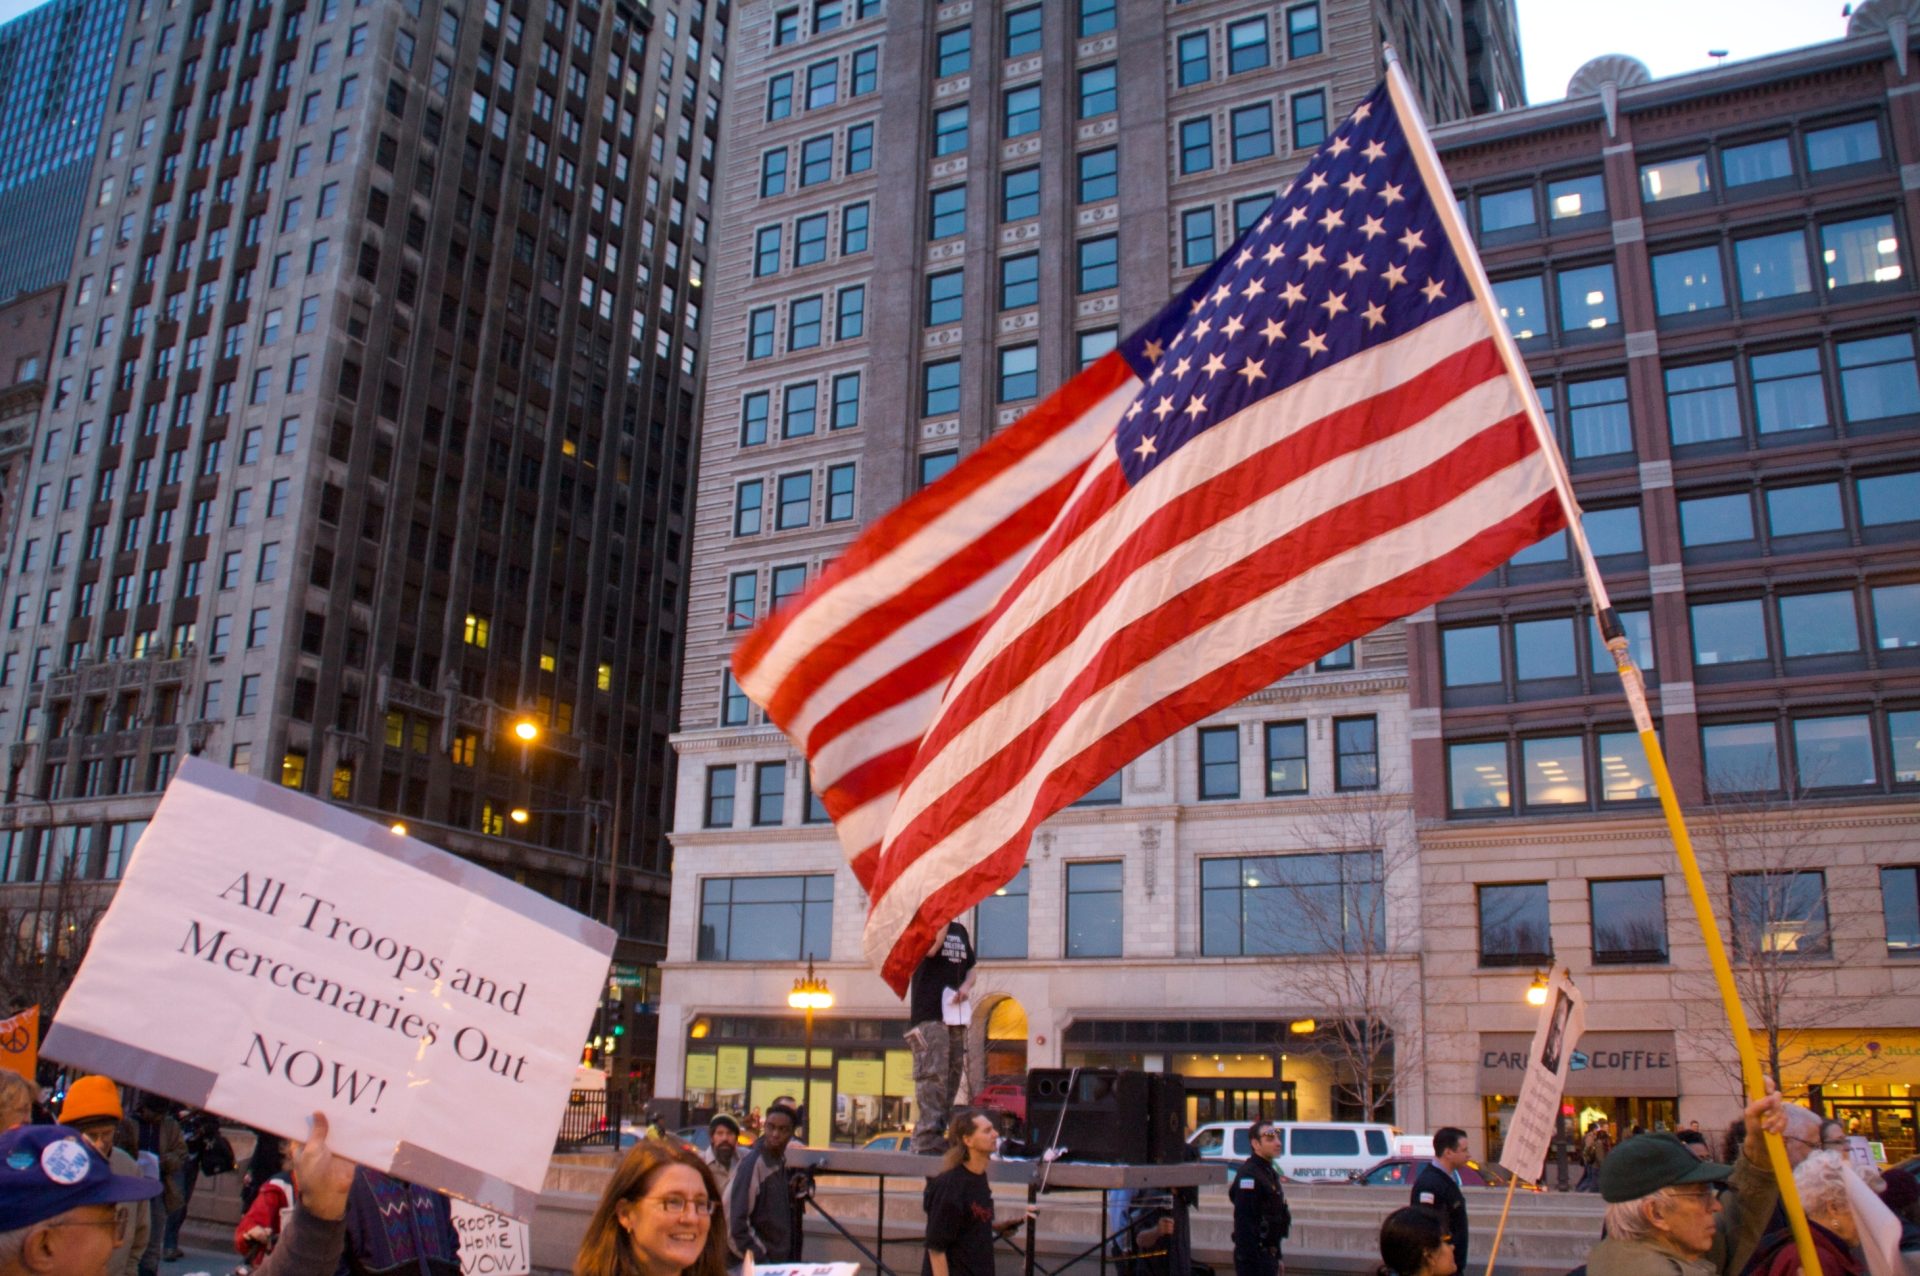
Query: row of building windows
{"x":1249,"y":131}
{"x":1778,"y":914}
{"x":83,"y":851}
{"x":810,"y":237}
{"x":806,"y":322}
{"x":819,"y":85}
{"x":1246,"y":44}
{"x":1600,"y":768}
{"x":1356,"y":756}
{"x":1789,"y":517}
{"x":821,"y":18}
{"x":800,"y":409}
{"x":779,"y":168}
{"x":793,"y":500}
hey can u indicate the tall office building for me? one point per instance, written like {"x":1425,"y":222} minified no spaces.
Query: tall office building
{"x":371,"y":434}
{"x":1712,"y":280}
{"x":936,"y":213}
{"x":56,"y":68}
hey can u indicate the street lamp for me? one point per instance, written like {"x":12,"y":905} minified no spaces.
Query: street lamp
{"x":1537,"y":990}
{"x":526,"y":730}
{"x":810,"y":993}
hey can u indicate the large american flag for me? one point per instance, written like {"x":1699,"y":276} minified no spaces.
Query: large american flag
{"x":1318,"y":436}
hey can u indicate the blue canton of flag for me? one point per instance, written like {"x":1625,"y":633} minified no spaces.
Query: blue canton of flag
{"x":1348,"y":257}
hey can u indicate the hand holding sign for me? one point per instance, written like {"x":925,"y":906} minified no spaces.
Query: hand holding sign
{"x":324,"y":1179}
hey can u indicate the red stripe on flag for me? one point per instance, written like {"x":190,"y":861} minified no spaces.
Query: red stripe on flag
{"x":1209,"y":694}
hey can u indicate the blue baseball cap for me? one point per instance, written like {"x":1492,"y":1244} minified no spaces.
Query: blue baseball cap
{"x":46,"y":1170}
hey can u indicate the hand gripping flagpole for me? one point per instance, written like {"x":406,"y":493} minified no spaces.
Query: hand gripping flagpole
{"x":1441,"y":192}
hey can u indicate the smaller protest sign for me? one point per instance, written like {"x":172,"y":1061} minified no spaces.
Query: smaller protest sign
{"x":1860,"y":1152}
{"x":490,"y":1244}
{"x":20,"y":1042}
{"x":1549,"y":1058}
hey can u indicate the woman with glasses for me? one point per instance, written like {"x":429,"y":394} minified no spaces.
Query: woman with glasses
{"x":656,"y":1218}
{"x":1414,"y":1242}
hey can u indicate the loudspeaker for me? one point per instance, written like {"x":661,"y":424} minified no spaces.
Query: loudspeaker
{"x":1103,"y":1114}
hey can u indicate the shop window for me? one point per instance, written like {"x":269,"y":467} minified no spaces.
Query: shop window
{"x":1780,"y":914}
{"x":1515,"y":927}
{"x":1219,"y":762}
{"x":1629,"y":920}
{"x":1000,"y":921}
{"x":1290,"y":905}
{"x":766,"y":918}
{"x":1095,"y":909}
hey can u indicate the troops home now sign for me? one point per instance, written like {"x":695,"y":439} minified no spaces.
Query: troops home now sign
{"x":1625,"y":1064}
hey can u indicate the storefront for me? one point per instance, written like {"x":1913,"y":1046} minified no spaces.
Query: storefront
{"x":1629,"y":1078}
{"x":861,"y":1073}
{"x":1868,"y":1078}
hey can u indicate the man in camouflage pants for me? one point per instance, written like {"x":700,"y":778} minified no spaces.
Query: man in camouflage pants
{"x":939,"y":1049}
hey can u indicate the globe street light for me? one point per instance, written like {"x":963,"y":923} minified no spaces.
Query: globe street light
{"x":810,"y":993}
{"x":1537,"y":990}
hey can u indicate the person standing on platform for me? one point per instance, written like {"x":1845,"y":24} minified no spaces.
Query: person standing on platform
{"x":959,"y":1202}
{"x":939,"y":1049}
{"x":1261,"y":1219}
{"x":1438,"y":1187}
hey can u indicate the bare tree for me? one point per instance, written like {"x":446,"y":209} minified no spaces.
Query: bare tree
{"x":1340,"y":919}
{"x":44,"y":931}
{"x":1765,"y":866}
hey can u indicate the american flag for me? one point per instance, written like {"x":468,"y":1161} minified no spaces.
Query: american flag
{"x":1318,"y":436}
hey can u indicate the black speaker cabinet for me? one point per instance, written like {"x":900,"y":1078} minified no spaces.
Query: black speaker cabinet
{"x":1103,"y":1114}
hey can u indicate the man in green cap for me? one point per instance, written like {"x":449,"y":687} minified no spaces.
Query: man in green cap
{"x":1666,"y":1215}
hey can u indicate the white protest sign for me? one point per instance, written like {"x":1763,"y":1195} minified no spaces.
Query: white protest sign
{"x":1562,"y":1021}
{"x":268,"y":955}
{"x":490,"y":1244}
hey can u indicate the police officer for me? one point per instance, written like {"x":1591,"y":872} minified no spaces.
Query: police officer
{"x":1261,"y":1219}
{"x":1437,"y":1189}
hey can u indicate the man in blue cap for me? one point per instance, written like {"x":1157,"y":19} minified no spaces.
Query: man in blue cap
{"x":56,"y":1203}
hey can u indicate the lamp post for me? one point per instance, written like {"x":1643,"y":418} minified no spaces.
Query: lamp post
{"x":810,"y":993}
{"x":1537,"y":990}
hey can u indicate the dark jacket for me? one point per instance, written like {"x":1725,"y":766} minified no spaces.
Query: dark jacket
{"x":938,"y":972}
{"x":1435,"y":1190}
{"x":1261,"y":1219}
{"x":397,"y":1229}
{"x":1779,"y":1256}
{"x":763,"y":1218}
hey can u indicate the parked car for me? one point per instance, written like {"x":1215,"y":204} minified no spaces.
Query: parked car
{"x":697,"y":1137}
{"x":1007,"y":1097}
{"x":1310,"y":1151}
{"x":1400,"y":1171}
{"x":889,"y":1141}
{"x":600,"y":1141}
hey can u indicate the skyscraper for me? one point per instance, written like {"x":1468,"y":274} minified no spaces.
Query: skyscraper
{"x":371,"y":434}
{"x":943,"y":212}
{"x":56,"y":68}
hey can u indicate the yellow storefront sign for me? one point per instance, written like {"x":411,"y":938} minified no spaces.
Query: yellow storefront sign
{"x":900,"y":1072}
{"x":1846,"y":1056}
{"x":700,"y":1072}
{"x":731,"y":1070}
{"x":862,"y":1076}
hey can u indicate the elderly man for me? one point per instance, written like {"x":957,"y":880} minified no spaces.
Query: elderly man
{"x":1666,"y":1218}
{"x":57,"y":1199}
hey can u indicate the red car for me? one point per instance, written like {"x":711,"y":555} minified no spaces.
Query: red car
{"x":1401,"y":1171}
{"x":1008,"y":1098}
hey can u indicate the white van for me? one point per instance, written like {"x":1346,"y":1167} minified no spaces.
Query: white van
{"x":1309,"y":1150}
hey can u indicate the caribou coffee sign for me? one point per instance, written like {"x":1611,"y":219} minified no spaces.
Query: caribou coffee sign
{"x":1607,"y":1063}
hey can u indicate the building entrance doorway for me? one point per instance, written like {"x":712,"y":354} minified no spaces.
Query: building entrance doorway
{"x":1251,"y":1103}
{"x":1889,"y":1122}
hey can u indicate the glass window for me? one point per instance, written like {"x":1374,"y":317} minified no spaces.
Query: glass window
{"x":1000,"y":921}
{"x":1688,"y":281}
{"x":803,"y":323}
{"x":1470,"y":655}
{"x":1019,"y":281}
{"x":773,"y":172}
{"x":746,"y":508}
{"x":1515,"y":926}
{"x":934,"y":465}
{"x":1543,"y":649}
{"x":846,"y":400}
{"x":1197,"y":236}
{"x":1843,"y":145}
{"x":1196,"y":145}
{"x":1788,"y":392}
{"x":1096,"y":16}
{"x":1219,"y":762}
{"x":945,"y":297}
{"x":1804,"y":510}
{"x":1782,"y":913}
{"x":1251,"y":132}
{"x":1675,"y":179}
{"x":1099,"y":263}
{"x":810,"y":240}
{"x":1099,"y":91}
{"x":1638,"y":628}
{"x":1741,"y":757}
{"x":765,"y":919}
{"x":1771,"y":267}
{"x":1477,"y":777}
{"x":1020,"y":194}
{"x":1629,"y":920}
{"x":1834,"y":753}
{"x":1877,"y":378}
{"x":1614,"y":531}
{"x":1303,"y":30}
{"x":1572,"y":197}
{"x":1105,"y":793}
{"x":720,"y":788}
{"x":1287,"y":758}
{"x":1588,"y":299}
{"x":853,"y":229}
{"x":950,"y":130}
{"x":850,"y":313}
{"x":1900,"y":909}
{"x":1523,"y":304}
{"x":1863,"y":251}
{"x":769,"y":792}
{"x":1195,"y":59}
{"x":1896,"y":617}
{"x":1768,"y":161}
{"x":1507,"y":210}
{"x":1019,"y":372}
{"x":1309,"y":119}
{"x":1716,"y":520}
{"x":1094,"y":909}
{"x":742,"y":598}
{"x":1728,"y":633}
{"x":1702,"y":403}
{"x":1822,"y":624}
{"x":1625,"y":774}
{"x":1903,"y":730}
{"x":859,"y":149}
{"x":1556,"y":770}
{"x":954,"y":52}
{"x":795,"y":506}
{"x":1291,"y":904}
{"x":947,"y":212}
{"x":1356,"y":754}
{"x":1023,"y":31}
{"x":1247,"y":45}
{"x":1095,"y":342}
{"x":940,"y":388}
{"x":785,"y":585}
{"x":1597,"y":416}
{"x":1889,"y":498}
{"x":1099,"y":171}
{"x":760,"y":332}
{"x":1020,"y":111}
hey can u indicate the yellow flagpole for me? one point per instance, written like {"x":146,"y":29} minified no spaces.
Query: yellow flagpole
{"x":1428,"y":161}
{"x":1513,"y":1181}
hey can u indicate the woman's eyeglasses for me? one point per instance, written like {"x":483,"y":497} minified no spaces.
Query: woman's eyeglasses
{"x":677,"y":1204}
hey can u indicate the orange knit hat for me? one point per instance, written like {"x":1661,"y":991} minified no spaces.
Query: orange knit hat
{"x":91,"y":1099}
